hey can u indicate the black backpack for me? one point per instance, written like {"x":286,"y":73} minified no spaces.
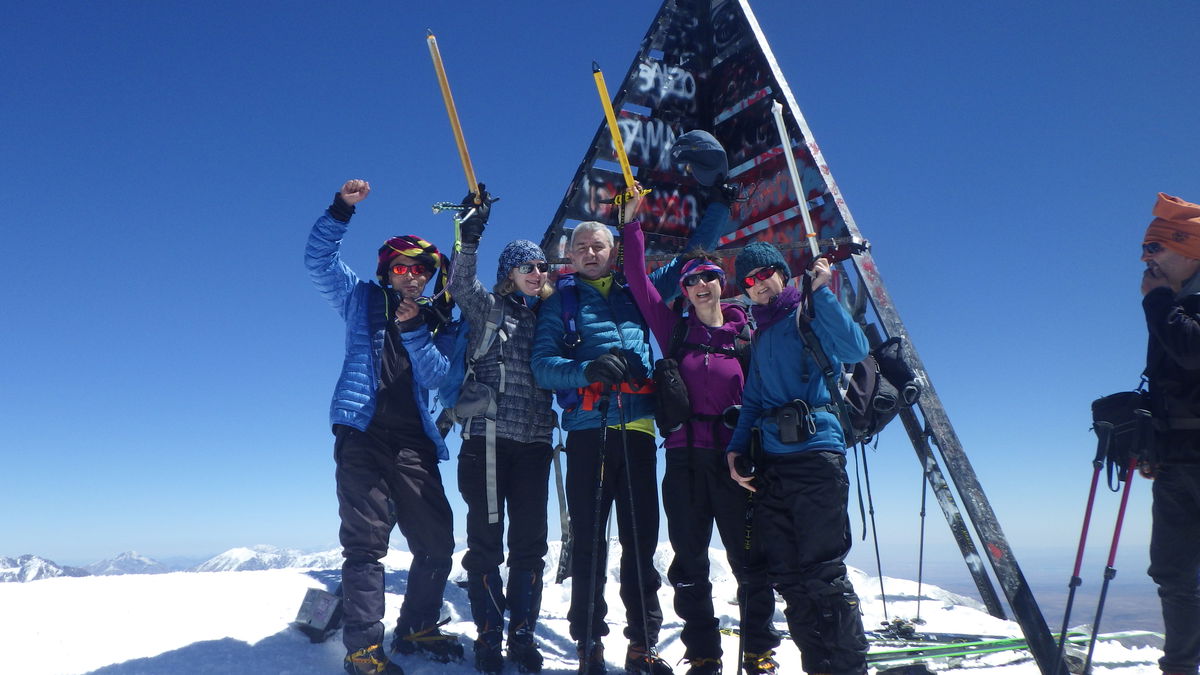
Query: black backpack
{"x":876,"y":389}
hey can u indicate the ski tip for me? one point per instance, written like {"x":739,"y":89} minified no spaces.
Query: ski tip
{"x":595,"y":67}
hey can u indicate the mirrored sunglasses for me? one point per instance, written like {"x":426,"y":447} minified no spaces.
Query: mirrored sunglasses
{"x":416,"y":270}
{"x":761,"y":275}
{"x":526,"y":268}
{"x":1152,"y":248}
{"x":705,"y":277}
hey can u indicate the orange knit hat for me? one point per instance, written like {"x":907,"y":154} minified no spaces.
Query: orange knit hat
{"x":1176,"y":225}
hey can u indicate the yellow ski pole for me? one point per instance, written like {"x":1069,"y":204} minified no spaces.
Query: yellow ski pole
{"x":615,"y":132}
{"x":452,"y":113}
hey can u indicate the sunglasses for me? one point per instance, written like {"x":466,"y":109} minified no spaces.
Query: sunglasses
{"x":761,"y":275}
{"x":700,"y":277}
{"x":416,"y":270}
{"x":526,"y":268}
{"x":1152,"y":248}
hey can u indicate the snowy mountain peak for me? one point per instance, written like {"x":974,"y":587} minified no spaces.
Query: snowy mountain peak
{"x":269,"y":558}
{"x":32,"y":568}
{"x":130,"y":562}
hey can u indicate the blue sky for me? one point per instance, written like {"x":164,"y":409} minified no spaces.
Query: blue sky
{"x":167,"y":365}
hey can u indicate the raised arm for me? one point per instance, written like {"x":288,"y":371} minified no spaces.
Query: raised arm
{"x":322,"y":254}
{"x":657,"y":314}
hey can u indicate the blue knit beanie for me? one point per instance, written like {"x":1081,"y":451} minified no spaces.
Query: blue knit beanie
{"x":759,"y":254}
{"x":517,"y":253}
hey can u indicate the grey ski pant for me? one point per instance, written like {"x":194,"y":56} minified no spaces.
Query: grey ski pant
{"x":381,"y":484}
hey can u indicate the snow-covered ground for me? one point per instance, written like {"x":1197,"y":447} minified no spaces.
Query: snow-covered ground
{"x":238,"y":622}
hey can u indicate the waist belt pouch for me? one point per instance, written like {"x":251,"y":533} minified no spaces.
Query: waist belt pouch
{"x":672,"y":406}
{"x":795,"y":422}
{"x":475,"y":400}
{"x":1124,"y":427}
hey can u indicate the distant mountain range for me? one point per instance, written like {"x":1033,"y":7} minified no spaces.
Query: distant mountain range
{"x":32,"y":568}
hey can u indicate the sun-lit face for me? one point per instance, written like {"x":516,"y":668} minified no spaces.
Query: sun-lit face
{"x":705,"y":290}
{"x":409,"y":284}
{"x":531,"y":282}
{"x":764,"y":290}
{"x":590,"y":254}
{"x":1163,"y":263}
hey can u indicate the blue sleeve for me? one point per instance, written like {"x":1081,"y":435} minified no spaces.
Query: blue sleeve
{"x":705,"y":236}
{"x":751,"y":411}
{"x":429,"y":357}
{"x":334,"y":279}
{"x":841,"y":337}
{"x":551,"y":370}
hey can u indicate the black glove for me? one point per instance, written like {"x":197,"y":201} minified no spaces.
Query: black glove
{"x":339,"y":209}
{"x":470,"y":229}
{"x":607,"y":369}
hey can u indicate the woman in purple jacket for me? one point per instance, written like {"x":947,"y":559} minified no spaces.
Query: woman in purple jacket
{"x":697,"y":488}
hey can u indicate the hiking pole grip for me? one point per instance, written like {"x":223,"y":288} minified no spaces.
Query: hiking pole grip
{"x":452,"y":113}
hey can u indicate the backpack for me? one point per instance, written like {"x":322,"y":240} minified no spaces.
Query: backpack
{"x":460,"y":393}
{"x":872,"y":394}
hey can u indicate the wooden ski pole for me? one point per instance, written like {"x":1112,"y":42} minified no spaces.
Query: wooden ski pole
{"x":810,"y":233}
{"x":452,"y":113}
{"x":615,"y":132}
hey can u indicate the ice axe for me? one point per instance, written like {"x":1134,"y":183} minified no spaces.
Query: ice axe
{"x":615,"y":132}
{"x":459,"y":140}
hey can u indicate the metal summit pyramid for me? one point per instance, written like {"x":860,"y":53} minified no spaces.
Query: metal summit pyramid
{"x":705,"y":64}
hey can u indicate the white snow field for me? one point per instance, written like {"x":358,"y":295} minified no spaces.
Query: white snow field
{"x":238,"y":622}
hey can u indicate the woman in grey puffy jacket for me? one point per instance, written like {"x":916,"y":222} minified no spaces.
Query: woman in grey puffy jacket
{"x":506,"y":452}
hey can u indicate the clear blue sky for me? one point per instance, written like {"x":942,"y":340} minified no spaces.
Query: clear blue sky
{"x":167,"y":365}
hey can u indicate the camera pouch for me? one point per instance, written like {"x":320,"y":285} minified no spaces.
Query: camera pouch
{"x":794,"y":421}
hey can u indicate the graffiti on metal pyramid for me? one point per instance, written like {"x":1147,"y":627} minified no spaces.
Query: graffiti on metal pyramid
{"x":705,"y":65}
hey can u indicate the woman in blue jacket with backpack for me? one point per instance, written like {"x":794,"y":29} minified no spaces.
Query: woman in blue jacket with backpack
{"x":800,"y":483}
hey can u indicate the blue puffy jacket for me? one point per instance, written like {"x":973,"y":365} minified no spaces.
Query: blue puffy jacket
{"x":781,"y":371}
{"x":364,"y":307}
{"x":604,"y":323}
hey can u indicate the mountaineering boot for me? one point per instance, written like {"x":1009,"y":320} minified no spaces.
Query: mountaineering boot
{"x":595,"y":664}
{"x":524,"y":598}
{"x":756,"y":664}
{"x":429,"y":642}
{"x":523,"y":651}
{"x":488,"y":657}
{"x":370,"y":661}
{"x":640,"y":659}
{"x":704,"y":666}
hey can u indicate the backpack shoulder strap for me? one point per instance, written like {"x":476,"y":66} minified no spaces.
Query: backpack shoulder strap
{"x":569,"y":308}
{"x":812,"y":345}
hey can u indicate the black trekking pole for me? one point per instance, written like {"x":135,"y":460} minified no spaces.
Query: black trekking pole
{"x":874,"y":533}
{"x":597,"y":531}
{"x":1097,"y":465}
{"x":747,"y":543}
{"x":637,"y":554}
{"x":1109,"y":570}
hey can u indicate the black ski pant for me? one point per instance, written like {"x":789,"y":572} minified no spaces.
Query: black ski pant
{"x":1175,"y":563}
{"x":698,"y":492}
{"x":806,"y":532}
{"x":381,"y":483}
{"x":522,"y":488}
{"x":639,"y":592}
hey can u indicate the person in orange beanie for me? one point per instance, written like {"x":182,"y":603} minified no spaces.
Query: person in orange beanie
{"x":1171,"y":300}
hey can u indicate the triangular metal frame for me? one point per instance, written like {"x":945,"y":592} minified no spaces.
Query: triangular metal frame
{"x":705,"y":64}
